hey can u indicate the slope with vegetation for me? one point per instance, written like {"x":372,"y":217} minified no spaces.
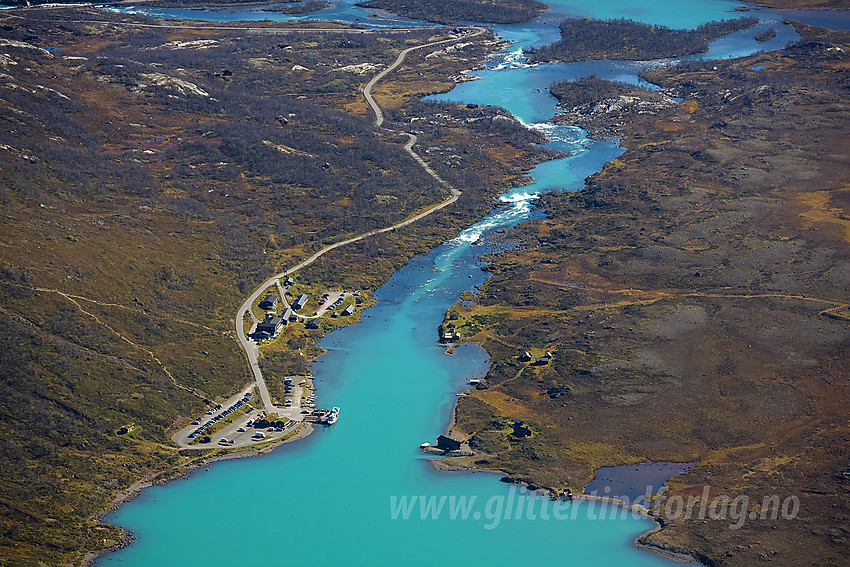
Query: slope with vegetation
{"x":695,"y":299}
{"x":151,"y":177}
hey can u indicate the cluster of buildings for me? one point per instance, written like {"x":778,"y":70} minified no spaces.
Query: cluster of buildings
{"x":273,"y":323}
{"x":539,"y":361}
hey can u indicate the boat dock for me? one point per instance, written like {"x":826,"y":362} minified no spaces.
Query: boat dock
{"x":323,"y":416}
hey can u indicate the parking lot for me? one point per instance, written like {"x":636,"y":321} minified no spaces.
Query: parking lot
{"x":299,"y":400}
{"x":218,"y":413}
{"x":333,"y":300}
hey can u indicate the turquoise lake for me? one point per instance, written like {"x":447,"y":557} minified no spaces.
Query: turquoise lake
{"x":350,"y":494}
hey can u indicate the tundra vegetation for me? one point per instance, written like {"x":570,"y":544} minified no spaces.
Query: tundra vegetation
{"x":150,"y":178}
{"x":585,"y":39}
{"x":444,"y":12}
{"x":595,"y":104}
{"x":694,"y":296}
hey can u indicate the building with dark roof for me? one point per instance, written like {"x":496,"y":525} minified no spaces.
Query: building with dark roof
{"x":447,"y":443}
{"x":269,"y":303}
{"x":520,"y":430}
{"x":271,"y":326}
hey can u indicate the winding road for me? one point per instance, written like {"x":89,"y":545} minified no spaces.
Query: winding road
{"x":367,"y":91}
{"x":250,"y":347}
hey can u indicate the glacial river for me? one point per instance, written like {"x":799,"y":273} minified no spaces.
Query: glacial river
{"x":360,"y":492}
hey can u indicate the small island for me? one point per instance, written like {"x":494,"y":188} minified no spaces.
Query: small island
{"x":296,"y":7}
{"x":442,"y":12}
{"x":586,"y":40}
{"x":766,"y":35}
{"x":597,"y":105}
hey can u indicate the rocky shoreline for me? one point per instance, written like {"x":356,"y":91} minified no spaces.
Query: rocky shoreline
{"x":451,"y":464}
{"x":678,"y":555}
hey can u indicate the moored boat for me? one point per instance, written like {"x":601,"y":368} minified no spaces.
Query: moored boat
{"x":333,"y":416}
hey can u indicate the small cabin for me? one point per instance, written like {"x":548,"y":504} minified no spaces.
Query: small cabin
{"x":543,"y":360}
{"x":520,"y":430}
{"x":447,"y":443}
{"x":450,"y":336}
{"x":525,"y":357}
{"x":348,"y":311}
{"x":300,"y":302}
{"x":269,"y":303}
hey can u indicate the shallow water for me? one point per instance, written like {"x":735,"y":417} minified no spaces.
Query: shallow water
{"x":631,"y":482}
{"x":350,"y":494}
{"x":835,"y":19}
